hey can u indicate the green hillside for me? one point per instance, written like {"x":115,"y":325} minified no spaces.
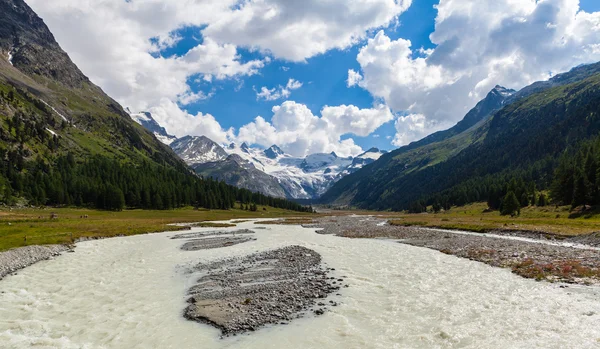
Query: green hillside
{"x":521,"y":142}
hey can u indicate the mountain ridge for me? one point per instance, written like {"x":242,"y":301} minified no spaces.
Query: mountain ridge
{"x":396,"y":180}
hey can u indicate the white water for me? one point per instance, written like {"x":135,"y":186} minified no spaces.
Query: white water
{"x":129,"y":293}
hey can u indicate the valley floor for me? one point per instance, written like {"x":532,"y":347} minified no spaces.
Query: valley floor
{"x":573,"y":257}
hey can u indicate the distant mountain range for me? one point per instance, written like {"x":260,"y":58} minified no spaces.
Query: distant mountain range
{"x":269,"y":171}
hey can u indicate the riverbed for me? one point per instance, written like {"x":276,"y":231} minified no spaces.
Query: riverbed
{"x":131,"y":292}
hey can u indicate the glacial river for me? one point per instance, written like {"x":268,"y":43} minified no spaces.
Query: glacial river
{"x":130,"y":293}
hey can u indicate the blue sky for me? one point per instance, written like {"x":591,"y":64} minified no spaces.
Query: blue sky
{"x":235,"y":103}
{"x":162,"y":56}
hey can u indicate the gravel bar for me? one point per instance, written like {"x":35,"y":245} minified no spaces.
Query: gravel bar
{"x":19,"y":258}
{"x":274,"y":287}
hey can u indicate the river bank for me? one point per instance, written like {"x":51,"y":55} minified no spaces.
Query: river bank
{"x":19,"y":258}
{"x":536,"y":255}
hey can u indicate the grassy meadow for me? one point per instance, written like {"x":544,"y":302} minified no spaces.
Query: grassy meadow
{"x":22,"y":227}
{"x":550,"y":219}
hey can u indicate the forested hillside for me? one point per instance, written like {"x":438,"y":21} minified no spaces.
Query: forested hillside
{"x":63,"y":141}
{"x":515,"y":151}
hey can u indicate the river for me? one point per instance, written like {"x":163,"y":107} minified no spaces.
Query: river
{"x":130,"y":293}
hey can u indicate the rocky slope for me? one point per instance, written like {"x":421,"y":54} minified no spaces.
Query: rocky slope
{"x":236,"y":171}
{"x":60,"y":99}
{"x":198,"y":150}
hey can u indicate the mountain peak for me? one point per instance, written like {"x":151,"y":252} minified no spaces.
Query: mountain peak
{"x":273,"y":152}
{"x":503,"y":91}
{"x":198,"y":150}
{"x":245,"y":147}
{"x":147,"y":121}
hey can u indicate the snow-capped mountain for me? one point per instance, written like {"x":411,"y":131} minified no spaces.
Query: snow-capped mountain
{"x":145,"y":119}
{"x":198,"y":150}
{"x":366,"y":158}
{"x":302,"y":178}
{"x":274,"y":152}
{"x":270,"y":171}
{"x":237,"y":171}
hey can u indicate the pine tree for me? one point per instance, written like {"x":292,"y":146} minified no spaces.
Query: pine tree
{"x":581,"y":189}
{"x":524,"y":200}
{"x":542,"y":200}
{"x":511,"y":205}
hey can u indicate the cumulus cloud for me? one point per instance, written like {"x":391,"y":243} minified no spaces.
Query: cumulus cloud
{"x":278,"y":92}
{"x":116,"y":43}
{"x":354,"y":78}
{"x":181,"y":123}
{"x":411,"y":127}
{"x":299,"y":132}
{"x":111,"y":42}
{"x":478,"y":44}
{"x":297,"y":30}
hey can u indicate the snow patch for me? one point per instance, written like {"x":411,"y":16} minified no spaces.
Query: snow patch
{"x":139,"y":117}
{"x":369,"y":155}
{"x":10,"y":57}
{"x":54,"y":110}
{"x":51,"y":132}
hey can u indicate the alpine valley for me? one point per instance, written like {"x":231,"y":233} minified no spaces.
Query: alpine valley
{"x":63,"y":141}
{"x":269,"y":171}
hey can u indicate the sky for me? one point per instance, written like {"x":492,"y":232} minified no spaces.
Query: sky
{"x":313,"y":75}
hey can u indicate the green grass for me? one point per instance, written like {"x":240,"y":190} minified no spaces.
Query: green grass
{"x":22,"y":227}
{"x":473,"y":218}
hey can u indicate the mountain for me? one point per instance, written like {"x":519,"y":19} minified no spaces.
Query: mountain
{"x":274,"y":172}
{"x":64,"y":142}
{"x":147,"y":121}
{"x":495,"y":99}
{"x":58,"y":97}
{"x":366,"y":158}
{"x":198,"y":150}
{"x":236,"y":171}
{"x":273,"y":152}
{"x":506,"y":135}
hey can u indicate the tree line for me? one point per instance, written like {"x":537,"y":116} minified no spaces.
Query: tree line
{"x":572,"y":179}
{"x":106,"y":183}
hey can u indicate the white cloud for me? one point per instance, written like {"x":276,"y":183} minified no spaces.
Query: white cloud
{"x":299,"y":132}
{"x":278,"y":92}
{"x":181,"y":123}
{"x":354,"y":78}
{"x":193,"y":97}
{"x":118,"y":43}
{"x":110,"y":41}
{"x":297,"y":30}
{"x":479,"y":44}
{"x":411,"y":127}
